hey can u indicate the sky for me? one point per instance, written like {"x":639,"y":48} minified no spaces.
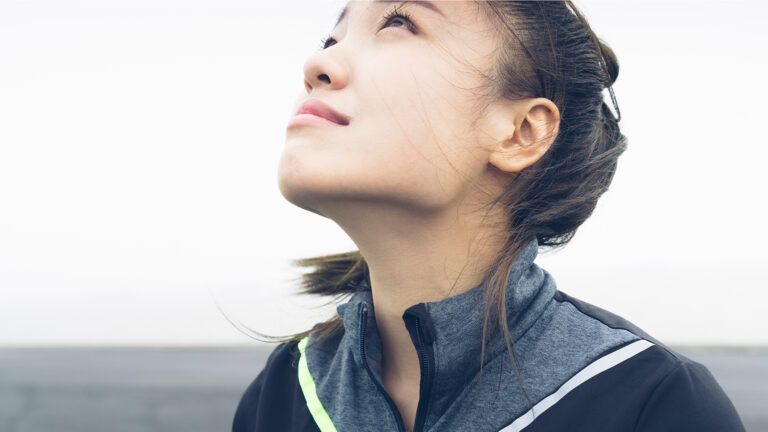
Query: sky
{"x":139,"y":145}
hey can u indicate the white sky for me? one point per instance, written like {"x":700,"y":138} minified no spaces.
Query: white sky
{"x":139,"y":143}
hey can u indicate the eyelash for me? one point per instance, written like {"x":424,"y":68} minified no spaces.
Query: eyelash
{"x":393,"y":13}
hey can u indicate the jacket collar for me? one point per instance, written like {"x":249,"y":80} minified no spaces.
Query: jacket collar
{"x":455,"y":326}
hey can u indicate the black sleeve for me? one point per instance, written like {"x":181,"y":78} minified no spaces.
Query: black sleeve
{"x":245,"y":415}
{"x":689,"y":399}
{"x":274,"y":400}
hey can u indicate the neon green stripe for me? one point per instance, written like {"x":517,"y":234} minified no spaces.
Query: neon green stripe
{"x":321,"y":417}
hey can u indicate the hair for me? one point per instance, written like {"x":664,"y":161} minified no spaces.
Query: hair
{"x":547,"y":49}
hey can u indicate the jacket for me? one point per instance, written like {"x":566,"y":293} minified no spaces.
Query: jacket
{"x":576,"y":367}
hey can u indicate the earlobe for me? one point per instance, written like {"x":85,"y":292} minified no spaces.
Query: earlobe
{"x":515,"y":158}
{"x":506,"y":162}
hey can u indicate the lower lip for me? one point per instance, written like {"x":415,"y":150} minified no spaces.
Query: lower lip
{"x":310,"y":119}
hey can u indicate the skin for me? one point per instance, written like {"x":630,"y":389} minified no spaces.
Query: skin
{"x":405,"y":178}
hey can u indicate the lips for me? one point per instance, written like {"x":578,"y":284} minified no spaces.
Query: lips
{"x":320,"y":109}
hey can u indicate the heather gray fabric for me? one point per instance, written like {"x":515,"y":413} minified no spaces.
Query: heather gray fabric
{"x":552,"y":341}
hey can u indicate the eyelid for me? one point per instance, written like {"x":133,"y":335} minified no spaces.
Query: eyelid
{"x":397,"y":12}
{"x":394,"y":12}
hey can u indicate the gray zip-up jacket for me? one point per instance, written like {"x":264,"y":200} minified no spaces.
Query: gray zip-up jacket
{"x":579,"y":368}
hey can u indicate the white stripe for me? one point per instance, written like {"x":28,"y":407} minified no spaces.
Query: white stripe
{"x":600,"y":365}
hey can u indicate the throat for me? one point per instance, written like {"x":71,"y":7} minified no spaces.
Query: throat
{"x":405,"y":394}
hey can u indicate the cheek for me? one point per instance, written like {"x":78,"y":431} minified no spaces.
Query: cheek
{"x":410,"y":157}
{"x":426,"y":140}
{"x":373,"y":152}
{"x":407,"y":119}
{"x":404,"y":145}
{"x":369,"y":160}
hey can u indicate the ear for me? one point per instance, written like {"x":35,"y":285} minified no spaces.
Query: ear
{"x":524,"y":132}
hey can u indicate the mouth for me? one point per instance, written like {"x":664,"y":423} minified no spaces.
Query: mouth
{"x":311,"y":119}
{"x":318,"y":109}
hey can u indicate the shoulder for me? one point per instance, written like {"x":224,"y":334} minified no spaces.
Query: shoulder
{"x":273,"y":400}
{"x":607,"y":318}
{"x":279,"y":367}
{"x":665,"y":389}
{"x":687,"y":398}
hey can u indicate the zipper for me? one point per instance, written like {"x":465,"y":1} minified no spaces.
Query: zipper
{"x":426,"y":354}
{"x":390,"y":402}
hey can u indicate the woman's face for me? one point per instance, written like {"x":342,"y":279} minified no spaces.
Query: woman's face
{"x":412,"y":97}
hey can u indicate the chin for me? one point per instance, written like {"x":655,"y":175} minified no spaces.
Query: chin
{"x":296,"y":189}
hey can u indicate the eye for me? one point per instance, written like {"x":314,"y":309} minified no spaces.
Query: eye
{"x":325,"y":42}
{"x":402,"y":15}
{"x":394,"y":14}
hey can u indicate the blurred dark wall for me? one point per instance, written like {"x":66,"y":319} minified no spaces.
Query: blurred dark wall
{"x":197,"y":389}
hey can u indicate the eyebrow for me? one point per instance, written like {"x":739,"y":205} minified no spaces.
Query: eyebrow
{"x":424,"y":3}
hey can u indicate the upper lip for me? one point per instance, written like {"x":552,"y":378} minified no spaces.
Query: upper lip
{"x":319,"y":108}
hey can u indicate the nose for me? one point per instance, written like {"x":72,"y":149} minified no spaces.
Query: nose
{"x":325,"y":69}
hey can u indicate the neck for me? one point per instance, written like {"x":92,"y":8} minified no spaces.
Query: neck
{"x":413,"y":259}
{"x":451,"y":331}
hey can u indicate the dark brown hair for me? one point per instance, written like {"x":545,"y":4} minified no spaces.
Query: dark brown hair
{"x":547,"y":49}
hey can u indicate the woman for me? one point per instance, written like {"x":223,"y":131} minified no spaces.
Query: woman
{"x":451,"y":140}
